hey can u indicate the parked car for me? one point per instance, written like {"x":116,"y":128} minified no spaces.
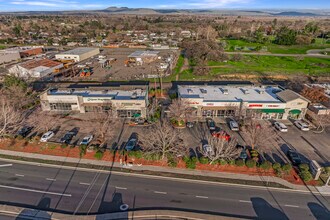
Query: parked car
{"x":207,"y":149}
{"x":221,"y":135}
{"x":189,"y":124}
{"x":301,"y":125}
{"x":69,"y":135}
{"x":281,"y":127}
{"x":294,"y":157}
{"x":233,"y":125}
{"x":46,"y":136}
{"x":131,"y":144}
{"x":211,"y":124}
{"x":24,"y":131}
{"x":86,"y":140}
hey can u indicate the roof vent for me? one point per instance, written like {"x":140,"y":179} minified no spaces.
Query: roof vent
{"x":105,"y":91}
{"x":190,"y":91}
{"x":134,"y":95}
{"x":204,"y":91}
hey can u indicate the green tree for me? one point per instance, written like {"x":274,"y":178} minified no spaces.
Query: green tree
{"x":286,"y":36}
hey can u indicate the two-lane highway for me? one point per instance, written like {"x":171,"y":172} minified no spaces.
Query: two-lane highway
{"x":92,"y":192}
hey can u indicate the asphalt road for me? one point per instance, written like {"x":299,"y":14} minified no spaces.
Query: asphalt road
{"x":82,"y":192}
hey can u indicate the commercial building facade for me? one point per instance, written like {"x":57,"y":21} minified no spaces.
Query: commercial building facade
{"x":78,"y":54}
{"x":227,"y":101}
{"x":127,"y":101}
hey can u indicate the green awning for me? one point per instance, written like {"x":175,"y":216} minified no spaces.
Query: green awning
{"x":295,"y":112}
{"x":272,"y":110}
{"x":137,"y":115}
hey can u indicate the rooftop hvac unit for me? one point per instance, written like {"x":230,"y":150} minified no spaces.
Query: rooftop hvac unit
{"x":134,"y":95}
{"x":204,"y":91}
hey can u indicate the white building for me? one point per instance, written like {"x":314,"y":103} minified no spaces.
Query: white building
{"x":78,"y":54}
{"x":127,"y":100}
{"x":225,"y":101}
{"x":36,"y":68}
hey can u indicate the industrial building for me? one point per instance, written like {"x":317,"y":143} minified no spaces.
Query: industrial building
{"x":140,"y":57}
{"x":16,"y":53}
{"x":127,"y":100}
{"x":263,"y":102}
{"x":8,"y":55}
{"x":36,"y":68}
{"x":78,"y":54}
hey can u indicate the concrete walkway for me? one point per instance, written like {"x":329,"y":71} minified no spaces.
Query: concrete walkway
{"x":161,"y":169}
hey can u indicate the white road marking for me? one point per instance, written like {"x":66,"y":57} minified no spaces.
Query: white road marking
{"x":293,"y":206}
{"x":6,"y":165}
{"x":34,"y":190}
{"x":87,"y":184}
{"x":244,"y":201}
{"x":202,"y":197}
{"x":117,"y":187}
{"x":159,"y":192}
{"x":50,"y":179}
{"x":19,"y":175}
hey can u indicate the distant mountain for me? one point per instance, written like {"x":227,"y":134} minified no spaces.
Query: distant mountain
{"x":295,"y":13}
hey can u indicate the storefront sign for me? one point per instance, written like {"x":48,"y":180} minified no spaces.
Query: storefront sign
{"x":97,"y":99}
{"x":210,"y":104}
{"x":255,"y":105}
{"x":193,"y":103}
{"x":272,"y":106}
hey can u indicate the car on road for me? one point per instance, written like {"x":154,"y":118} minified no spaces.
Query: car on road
{"x":207,"y":149}
{"x":280,"y":126}
{"x":211,"y":124}
{"x":24,"y":131}
{"x":46,"y":136}
{"x":233,"y":125}
{"x":221,"y":135}
{"x":87,"y":139}
{"x":301,"y":125}
{"x":294,"y":157}
{"x":69,"y":136}
{"x":189,"y":124}
{"x":131,"y":144}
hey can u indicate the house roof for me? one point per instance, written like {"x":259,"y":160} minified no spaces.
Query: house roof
{"x":289,"y":95}
{"x":31,"y":64}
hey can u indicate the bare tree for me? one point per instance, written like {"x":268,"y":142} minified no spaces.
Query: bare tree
{"x":321,"y":121}
{"x":178,"y":109}
{"x":44,"y":121}
{"x":162,"y":139}
{"x":219,"y":148}
{"x":256,"y":135}
{"x":11,"y":117}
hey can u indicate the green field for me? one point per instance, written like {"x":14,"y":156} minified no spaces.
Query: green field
{"x":271,"y":65}
{"x":274,"y":48}
{"x":2,"y":47}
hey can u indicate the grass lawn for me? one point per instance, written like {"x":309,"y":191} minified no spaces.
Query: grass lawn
{"x":274,"y":48}
{"x":179,"y":64}
{"x":273,"y":65}
{"x":2,"y":47}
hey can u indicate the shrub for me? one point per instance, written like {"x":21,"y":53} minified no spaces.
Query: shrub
{"x":303,"y":167}
{"x":287,"y":167}
{"x":82,"y":150}
{"x":223,"y":162}
{"x":204,"y":160}
{"x":231,"y":162}
{"x":306,"y":175}
{"x":52,"y":147}
{"x":98,"y":155}
{"x":191,"y":163}
{"x":64,"y":146}
{"x":265,"y":165}
{"x":276,"y":166}
{"x":327,"y":170}
{"x":240,"y":163}
{"x":152,"y":157}
{"x":137,"y":154}
{"x":19,"y":137}
{"x":251,"y":163}
{"x":172,"y":162}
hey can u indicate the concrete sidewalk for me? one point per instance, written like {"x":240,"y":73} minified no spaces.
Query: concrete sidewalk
{"x":203,"y":173}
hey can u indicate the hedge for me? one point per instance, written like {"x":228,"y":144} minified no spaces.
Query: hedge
{"x":306,"y":176}
{"x":265,"y":165}
{"x":287,"y":167}
{"x":204,"y":160}
{"x":240,"y":163}
{"x":251,"y":163}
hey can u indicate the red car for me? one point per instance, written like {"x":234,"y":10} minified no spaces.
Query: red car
{"x":222,"y":135}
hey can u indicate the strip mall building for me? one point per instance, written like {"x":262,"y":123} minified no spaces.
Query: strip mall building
{"x":264,"y":102}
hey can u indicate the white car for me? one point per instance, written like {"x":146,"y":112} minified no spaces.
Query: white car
{"x":281,"y":127}
{"x":86,"y":140}
{"x":233,"y":125}
{"x":301,"y":125}
{"x":46,"y":136}
{"x":208,"y":149}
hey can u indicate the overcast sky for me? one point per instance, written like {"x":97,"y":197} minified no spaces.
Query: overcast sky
{"x":53,"y":5}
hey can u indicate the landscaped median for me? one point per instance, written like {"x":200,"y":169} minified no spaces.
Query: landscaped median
{"x":247,"y":172}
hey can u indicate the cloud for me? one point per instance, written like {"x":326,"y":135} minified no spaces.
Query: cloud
{"x":34,"y":3}
{"x":216,"y":3}
{"x":57,"y":3}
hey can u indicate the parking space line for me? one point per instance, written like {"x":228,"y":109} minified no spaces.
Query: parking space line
{"x":21,"y":175}
{"x":293,"y":206}
{"x":50,"y":179}
{"x":246,"y":201}
{"x":117,"y":187}
{"x":158,"y":192}
{"x":202,"y":197}
{"x":87,"y":184}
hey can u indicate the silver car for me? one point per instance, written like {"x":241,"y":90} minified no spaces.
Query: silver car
{"x":301,"y":125}
{"x":233,"y":125}
{"x":281,"y":127}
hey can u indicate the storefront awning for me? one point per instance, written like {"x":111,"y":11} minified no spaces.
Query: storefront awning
{"x":272,"y":110}
{"x":137,"y":115}
{"x":295,"y":112}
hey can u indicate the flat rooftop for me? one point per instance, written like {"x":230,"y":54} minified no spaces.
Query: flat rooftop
{"x":144,"y":53}
{"x":219,"y":93}
{"x":31,"y":64}
{"x":79,"y":50}
{"x":136,"y":94}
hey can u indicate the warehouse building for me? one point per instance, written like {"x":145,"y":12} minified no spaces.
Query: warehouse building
{"x":78,"y":54}
{"x":226,"y":101}
{"x":36,"y":68}
{"x":16,"y":53}
{"x":8,"y":55}
{"x":128,"y":100}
